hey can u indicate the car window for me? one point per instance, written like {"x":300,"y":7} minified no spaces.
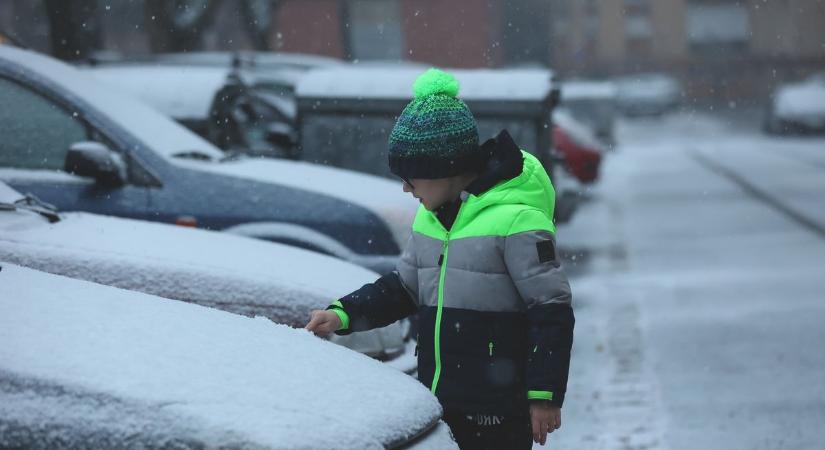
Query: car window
{"x":36,"y":132}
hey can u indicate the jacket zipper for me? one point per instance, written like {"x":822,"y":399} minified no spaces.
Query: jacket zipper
{"x":445,"y":248}
{"x":491,"y":348}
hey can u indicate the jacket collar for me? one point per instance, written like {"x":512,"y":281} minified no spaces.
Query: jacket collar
{"x":503,"y":163}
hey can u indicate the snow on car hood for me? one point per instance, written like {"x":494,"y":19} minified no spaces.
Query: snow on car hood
{"x":8,"y":195}
{"x":380,"y":195}
{"x":215,"y":269}
{"x":149,"y":371}
{"x":218,"y":270}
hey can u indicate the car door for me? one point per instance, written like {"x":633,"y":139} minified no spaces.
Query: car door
{"x":36,"y":131}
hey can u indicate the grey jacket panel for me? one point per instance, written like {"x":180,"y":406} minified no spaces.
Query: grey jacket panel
{"x":407,"y":269}
{"x":484,"y":254}
{"x":427,"y":250}
{"x":488,"y":273}
{"x":534,"y":267}
{"x":428,"y":285}
{"x":481,"y":291}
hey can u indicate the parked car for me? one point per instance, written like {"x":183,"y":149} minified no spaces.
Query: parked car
{"x":593,"y":103}
{"x":648,"y":94}
{"x":346,"y":113}
{"x":581,"y":149}
{"x":84,"y":365}
{"x":240,"y":101}
{"x":218,"y":270}
{"x":798,"y":107}
{"x":82,"y":146}
{"x":220,"y":104}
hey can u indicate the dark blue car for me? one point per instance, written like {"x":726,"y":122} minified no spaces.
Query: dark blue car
{"x":81,"y":146}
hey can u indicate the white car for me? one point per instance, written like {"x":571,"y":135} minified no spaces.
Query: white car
{"x":798,"y":107}
{"x":84,"y":365}
{"x":647,"y":94}
{"x":218,"y":270}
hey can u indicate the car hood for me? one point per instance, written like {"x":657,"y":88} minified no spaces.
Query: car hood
{"x":224,"y":271}
{"x":382,"y":196}
{"x":92,"y":365}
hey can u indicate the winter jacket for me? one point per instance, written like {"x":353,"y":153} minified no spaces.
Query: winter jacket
{"x":494,"y":305}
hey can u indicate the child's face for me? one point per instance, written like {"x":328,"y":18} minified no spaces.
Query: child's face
{"x":431,"y":193}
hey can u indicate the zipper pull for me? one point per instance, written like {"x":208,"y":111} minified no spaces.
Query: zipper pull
{"x":491,"y":348}
{"x":440,"y":259}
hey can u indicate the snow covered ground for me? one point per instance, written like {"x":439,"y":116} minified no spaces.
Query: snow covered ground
{"x":697,"y":272}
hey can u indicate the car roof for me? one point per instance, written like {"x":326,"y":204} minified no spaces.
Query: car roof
{"x":214,"y":378}
{"x":383,"y":82}
{"x":157,"y":131}
{"x":251,"y":59}
{"x":587,"y":89}
{"x":186,"y":92}
{"x":182,"y":92}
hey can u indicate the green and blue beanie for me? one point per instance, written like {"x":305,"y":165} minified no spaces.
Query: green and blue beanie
{"x":436,"y":135}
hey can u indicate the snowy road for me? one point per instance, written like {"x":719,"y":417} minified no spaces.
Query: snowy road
{"x":699,"y":281}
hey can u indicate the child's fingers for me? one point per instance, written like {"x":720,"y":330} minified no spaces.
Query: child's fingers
{"x":536,"y":430}
{"x":314,"y":321}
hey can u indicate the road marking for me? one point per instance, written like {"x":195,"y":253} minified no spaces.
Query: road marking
{"x":758,"y":193}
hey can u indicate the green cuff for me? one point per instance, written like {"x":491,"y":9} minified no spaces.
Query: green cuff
{"x":539,"y":395}
{"x":338,"y":309}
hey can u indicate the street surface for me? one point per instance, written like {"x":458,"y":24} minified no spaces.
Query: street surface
{"x":698,"y":273}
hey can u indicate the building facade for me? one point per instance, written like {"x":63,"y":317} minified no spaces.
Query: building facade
{"x":720,"y":49}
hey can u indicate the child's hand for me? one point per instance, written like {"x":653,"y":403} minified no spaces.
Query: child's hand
{"x":546,"y":418}
{"x":323,"y":323}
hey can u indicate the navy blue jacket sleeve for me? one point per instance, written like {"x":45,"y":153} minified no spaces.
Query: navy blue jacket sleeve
{"x":376,"y":304}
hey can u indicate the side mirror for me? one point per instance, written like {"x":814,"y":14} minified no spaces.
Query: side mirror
{"x":95,"y":160}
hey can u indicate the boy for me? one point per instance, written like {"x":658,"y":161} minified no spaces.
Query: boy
{"x":480,"y":270}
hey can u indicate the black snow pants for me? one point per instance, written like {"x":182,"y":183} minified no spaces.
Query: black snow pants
{"x":490,"y":432}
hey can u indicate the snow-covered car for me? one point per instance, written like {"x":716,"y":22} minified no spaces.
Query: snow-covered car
{"x":647,"y":94}
{"x":218,"y":270}
{"x":84,"y":365}
{"x":240,"y":101}
{"x":346,"y":113}
{"x":221,"y":104}
{"x":798,"y":107}
{"x":581,"y":149}
{"x":592,"y":102}
{"x":83,"y":146}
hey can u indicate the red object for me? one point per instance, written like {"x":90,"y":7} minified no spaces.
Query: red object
{"x":187,"y":221}
{"x":580,"y":159}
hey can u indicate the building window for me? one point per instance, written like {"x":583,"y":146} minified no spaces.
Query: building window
{"x":638,"y":29}
{"x":716,"y":29}
{"x":375,"y":30}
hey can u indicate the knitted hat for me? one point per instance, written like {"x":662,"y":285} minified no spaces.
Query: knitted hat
{"x":436,"y":135}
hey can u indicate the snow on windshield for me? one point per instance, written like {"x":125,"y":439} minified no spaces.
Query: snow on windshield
{"x":157,"y":131}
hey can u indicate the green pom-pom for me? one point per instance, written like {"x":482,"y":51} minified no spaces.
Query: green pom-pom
{"x":435,"y":82}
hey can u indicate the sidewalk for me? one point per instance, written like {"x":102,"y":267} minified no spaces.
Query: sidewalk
{"x":700,"y":306}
